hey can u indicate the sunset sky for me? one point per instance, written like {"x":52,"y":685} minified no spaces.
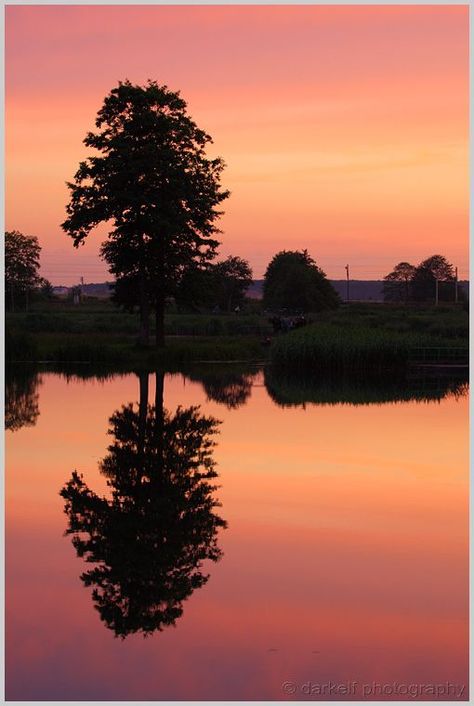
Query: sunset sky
{"x":344,"y":128}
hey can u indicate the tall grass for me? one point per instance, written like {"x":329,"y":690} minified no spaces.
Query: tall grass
{"x":339,"y":349}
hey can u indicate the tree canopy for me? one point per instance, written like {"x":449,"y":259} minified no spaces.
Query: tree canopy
{"x":222,"y":284}
{"x":22,"y":263}
{"x":294,"y":282}
{"x":409,"y":283}
{"x":434,"y":269}
{"x":397,"y":284}
{"x":153,"y":181}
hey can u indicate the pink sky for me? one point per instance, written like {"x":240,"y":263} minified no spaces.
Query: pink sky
{"x":344,"y":128}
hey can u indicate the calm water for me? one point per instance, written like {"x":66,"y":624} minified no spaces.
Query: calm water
{"x":334,"y":549}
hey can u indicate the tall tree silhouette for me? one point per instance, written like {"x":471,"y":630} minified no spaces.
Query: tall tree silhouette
{"x":148,"y":541}
{"x":21,"y":398}
{"x":151,"y":178}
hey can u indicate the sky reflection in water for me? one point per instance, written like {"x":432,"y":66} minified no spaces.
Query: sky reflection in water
{"x":345,"y":556}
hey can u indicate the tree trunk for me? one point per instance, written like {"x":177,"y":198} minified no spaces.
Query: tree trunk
{"x":12,"y":298}
{"x":160,"y":297}
{"x":144,"y":335}
{"x":160,"y":320}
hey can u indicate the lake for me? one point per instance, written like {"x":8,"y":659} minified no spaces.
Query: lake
{"x":283,"y":541}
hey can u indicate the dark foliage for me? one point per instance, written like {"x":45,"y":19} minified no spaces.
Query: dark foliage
{"x":295,"y":283}
{"x":22,"y":263}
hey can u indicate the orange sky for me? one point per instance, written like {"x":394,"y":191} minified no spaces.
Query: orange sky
{"x":344,"y":128}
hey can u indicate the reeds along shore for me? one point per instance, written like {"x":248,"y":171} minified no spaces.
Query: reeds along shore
{"x":336,"y":349}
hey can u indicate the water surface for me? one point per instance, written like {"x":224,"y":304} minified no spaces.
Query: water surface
{"x":334,"y":549}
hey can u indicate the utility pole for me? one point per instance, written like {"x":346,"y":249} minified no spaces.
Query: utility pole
{"x":456,"y":286}
{"x":347,"y":284}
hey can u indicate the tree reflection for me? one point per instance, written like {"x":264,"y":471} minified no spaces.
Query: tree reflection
{"x":148,"y":541}
{"x":21,"y":398}
{"x":231,"y":388}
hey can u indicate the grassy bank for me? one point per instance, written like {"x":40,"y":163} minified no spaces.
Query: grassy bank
{"x":114,"y":350}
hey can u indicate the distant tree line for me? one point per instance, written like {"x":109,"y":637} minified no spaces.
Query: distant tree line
{"x":432,"y":280}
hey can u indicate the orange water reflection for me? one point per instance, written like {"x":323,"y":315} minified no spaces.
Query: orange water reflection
{"x":345,"y":557}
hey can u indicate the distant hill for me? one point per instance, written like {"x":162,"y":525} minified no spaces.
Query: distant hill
{"x":359,"y":290}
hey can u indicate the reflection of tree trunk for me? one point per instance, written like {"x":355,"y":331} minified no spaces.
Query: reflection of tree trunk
{"x":159,"y":417}
{"x":142,"y":413}
{"x":144,"y":336}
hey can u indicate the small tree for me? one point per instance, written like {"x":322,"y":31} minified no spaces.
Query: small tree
{"x":153,"y":181}
{"x":197,"y":288}
{"x":233,"y":278}
{"x":293,"y":281}
{"x":44,"y":289}
{"x":222,"y":284}
{"x":22,"y":263}
{"x":397,"y":287}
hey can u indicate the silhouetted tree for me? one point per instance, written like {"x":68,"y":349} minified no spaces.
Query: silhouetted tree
{"x":197,"y":288}
{"x":21,"y":398}
{"x":22,"y":263}
{"x":234,"y":277}
{"x":149,"y":541}
{"x":44,"y":289}
{"x":423,"y":284}
{"x":294,"y":282}
{"x":397,"y":284}
{"x":155,"y":183}
{"x":221,"y":284}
